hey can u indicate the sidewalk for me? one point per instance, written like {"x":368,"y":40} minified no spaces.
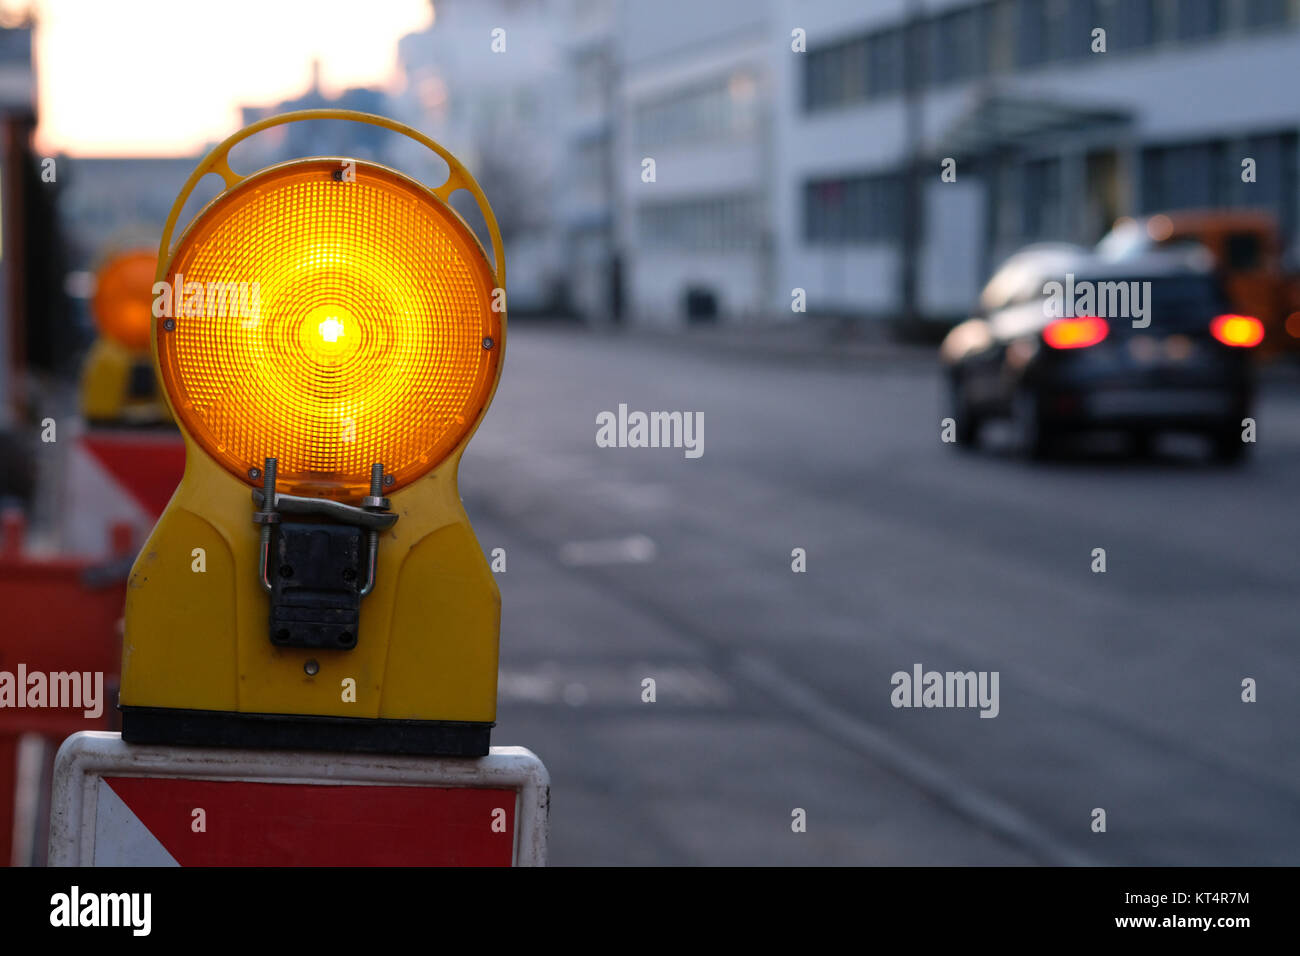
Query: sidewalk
{"x":837,"y":341}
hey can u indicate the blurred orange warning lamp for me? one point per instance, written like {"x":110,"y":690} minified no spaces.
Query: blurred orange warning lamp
{"x":118,"y":385}
{"x":123,"y":300}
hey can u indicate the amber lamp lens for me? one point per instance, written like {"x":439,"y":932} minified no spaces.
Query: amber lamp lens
{"x":123,"y":298}
{"x":329,"y":321}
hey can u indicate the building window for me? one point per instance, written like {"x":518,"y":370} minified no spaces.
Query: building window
{"x":836,"y":75}
{"x":1257,"y":14}
{"x":852,"y":77}
{"x":1208,"y":175}
{"x":1051,"y":31}
{"x":885,"y":62}
{"x":1040,"y":200}
{"x":1033,"y":33}
{"x":853,"y":209}
{"x":1276,"y":174}
{"x":960,"y":44}
{"x":1198,"y":18}
{"x":723,"y":110}
{"x":1129,"y":24}
{"x":1074,"y":22}
{"x":994,"y":36}
{"x":1189,"y":176}
{"x":854,"y":71}
{"x":715,"y":223}
{"x":1002,"y":46}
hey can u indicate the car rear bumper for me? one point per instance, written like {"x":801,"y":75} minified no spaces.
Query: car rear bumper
{"x":1207,"y":388}
{"x":1151,"y":406}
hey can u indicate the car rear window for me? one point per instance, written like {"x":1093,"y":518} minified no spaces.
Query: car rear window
{"x":1172,"y":303}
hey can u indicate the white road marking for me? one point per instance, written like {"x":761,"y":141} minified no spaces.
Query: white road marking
{"x":633,"y":549}
{"x":691,"y":685}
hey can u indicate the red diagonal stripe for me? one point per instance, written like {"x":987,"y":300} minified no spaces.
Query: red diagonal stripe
{"x":148,"y":467}
{"x":277,"y":824}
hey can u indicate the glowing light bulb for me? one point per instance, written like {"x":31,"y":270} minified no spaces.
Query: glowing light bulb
{"x":331,"y":330}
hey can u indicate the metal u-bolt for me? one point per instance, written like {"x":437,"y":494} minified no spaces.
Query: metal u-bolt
{"x":376,"y":491}
{"x":268,"y":509}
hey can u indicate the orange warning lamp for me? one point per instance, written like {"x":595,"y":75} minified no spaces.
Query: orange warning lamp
{"x":357,"y":326}
{"x":123,"y":299}
{"x":117,"y":384}
{"x":329,"y":335}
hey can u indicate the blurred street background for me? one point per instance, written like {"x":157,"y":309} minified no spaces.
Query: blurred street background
{"x":1118,"y":690}
{"x":737,"y":208}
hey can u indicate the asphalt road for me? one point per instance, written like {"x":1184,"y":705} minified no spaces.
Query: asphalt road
{"x":1118,"y":690}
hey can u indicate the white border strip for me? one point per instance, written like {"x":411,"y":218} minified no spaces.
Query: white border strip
{"x":87,"y":756}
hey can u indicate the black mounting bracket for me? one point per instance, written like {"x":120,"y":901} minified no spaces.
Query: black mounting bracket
{"x":320,"y":564}
{"x":316,"y":584}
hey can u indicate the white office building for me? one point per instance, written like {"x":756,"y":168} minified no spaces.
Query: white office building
{"x":585,"y":188}
{"x":778,"y":169}
{"x":693,"y":159}
{"x":486,"y":81}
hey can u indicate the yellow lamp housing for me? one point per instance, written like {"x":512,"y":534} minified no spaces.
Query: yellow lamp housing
{"x":118,"y":385}
{"x":330,"y":335}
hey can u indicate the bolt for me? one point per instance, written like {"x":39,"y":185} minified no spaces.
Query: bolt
{"x":255,"y":473}
{"x":377,"y":481}
{"x":169,"y":325}
{"x":389,"y":480}
{"x":312,"y":668}
{"x":268,"y":504}
{"x":487,"y":342}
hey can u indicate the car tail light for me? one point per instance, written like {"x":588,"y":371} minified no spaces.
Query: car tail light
{"x":1243,"y":331}
{"x":1075,"y":333}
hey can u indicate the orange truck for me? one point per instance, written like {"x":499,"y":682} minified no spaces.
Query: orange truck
{"x":1246,"y":247}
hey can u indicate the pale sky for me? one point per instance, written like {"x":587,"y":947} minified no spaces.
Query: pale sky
{"x":163,"y":77}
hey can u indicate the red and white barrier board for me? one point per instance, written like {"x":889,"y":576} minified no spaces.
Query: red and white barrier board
{"x":59,"y":656}
{"x":119,"y":804}
{"x":116,"y":477}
